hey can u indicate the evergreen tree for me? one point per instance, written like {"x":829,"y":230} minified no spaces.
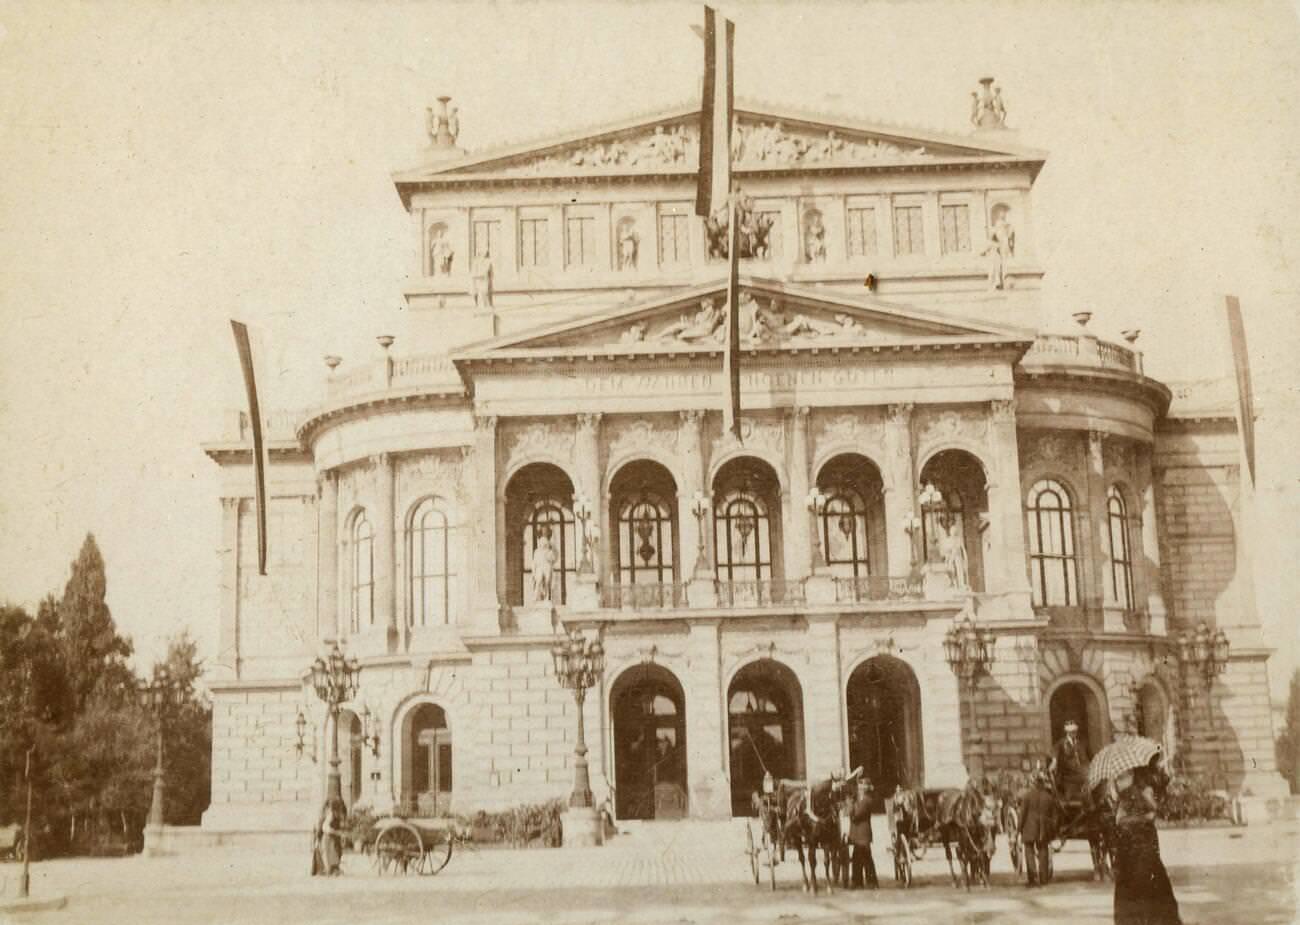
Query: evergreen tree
{"x":187,"y":756}
{"x":94,"y":654}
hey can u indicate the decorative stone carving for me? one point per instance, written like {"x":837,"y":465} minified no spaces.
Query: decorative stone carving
{"x":987,"y":108}
{"x":629,"y":244}
{"x":754,"y":434}
{"x":1055,"y":451}
{"x":637,"y":438}
{"x":953,"y":550}
{"x":431,"y":474}
{"x":542,"y":440}
{"x":543,"y":565}
{"x":1001,"y":247}
{"x":771,"y":143}
{"x":851,"y":429}
{"x":952,"y":427}
{"x":481,"y":279}
{"x":1118,"y":456}
{"x":441,"y":253}
{"x":705,"y":324}
{"x":814,"y":237}
{"x":1003,"y":411}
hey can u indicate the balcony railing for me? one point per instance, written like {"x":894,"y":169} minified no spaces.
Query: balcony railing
{"x":643,"y":596}
{"x":877,"y":588}
{"x":759,"y":593}
{"x":1082,"y":351}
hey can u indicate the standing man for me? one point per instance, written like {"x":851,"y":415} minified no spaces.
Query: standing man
{"x":1037,"y":829}
{"x":863,"y":867}
{"x":1070,"y":764}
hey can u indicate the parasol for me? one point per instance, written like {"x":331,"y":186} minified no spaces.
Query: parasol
{"x":1124,"y":754}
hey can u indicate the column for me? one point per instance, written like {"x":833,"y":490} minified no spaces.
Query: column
{"x":591,"y":484}
{"x":1093,"y":535}
{"x":798,"y":537}
{"x":1149,"y":553}
{"x":823,"y":702}
{"x":706,"y":725}
{"x":900,"y":487}
{"x":1008,"y":571}
{"x":327,"y":557}
{"x":385,"y":600}
{"x":228,"y":634}
{"x":690,"y":440}
{"x":487,"y":527}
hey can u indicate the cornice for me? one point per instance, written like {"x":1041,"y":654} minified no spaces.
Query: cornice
{"x":1155,"y":394}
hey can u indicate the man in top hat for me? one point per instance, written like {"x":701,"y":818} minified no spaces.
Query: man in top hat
{"x":1069,"y":767}
{"x":1037,"y":829}
{"x":862,"y":868}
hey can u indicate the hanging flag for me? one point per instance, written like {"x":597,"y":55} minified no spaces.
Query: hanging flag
{"x":246,"y":363}
{"x":713,"y":191}
{"x":1245,"y":396}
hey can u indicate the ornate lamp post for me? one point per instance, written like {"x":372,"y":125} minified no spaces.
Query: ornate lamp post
{"x":700,"y":508}
{"x":335,"y":678}
{"x":931,"y":500}
{"x":816,"y":503}
{"x":583,"y":510}
{"x":579,"y":663}
{"x":968,"y":650}
{"x":1204,"y":655}
{"x":370,"y":731}
{"x":912,"y":527}
{"x":158,"y":695}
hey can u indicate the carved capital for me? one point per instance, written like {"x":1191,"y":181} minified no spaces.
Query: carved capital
{"x":900,"y":412}
{"x":466,"y":452}
{"x":230,"y":505}
{"x":692,"y":417}
{"x":589,"y":420}
{"x":1096,"y":439}
{"x":485,"y":423}
{"x":1003,"y":410}
{"x":382,"y":461}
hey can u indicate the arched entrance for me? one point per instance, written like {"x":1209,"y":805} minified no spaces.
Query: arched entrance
{"x":765,"y":730}
{"x":883,"y":704}
{"x":648,"y":709}
{"x":1078,"y":701}
{"x":349,"y":737}
{"x":426,"y":761}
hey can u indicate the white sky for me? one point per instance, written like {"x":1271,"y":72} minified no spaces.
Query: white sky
{"x":168,"y":165}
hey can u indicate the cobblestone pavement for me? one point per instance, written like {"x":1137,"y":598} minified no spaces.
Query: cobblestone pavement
{"x":680,"y":873}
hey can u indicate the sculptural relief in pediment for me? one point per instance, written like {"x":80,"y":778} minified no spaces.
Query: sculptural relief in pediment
{"x":754,"y":145}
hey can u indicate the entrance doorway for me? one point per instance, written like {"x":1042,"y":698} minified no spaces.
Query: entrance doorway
{"x":1078,"y":702}
{"x":765,"y":729}
{"x":649,"y":718}
{"x":883,"y":704}
{"x":426,"y":761}
{"x":349,"y":735}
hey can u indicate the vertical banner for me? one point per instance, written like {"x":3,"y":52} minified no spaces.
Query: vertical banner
{"x":1245,"y":395}
{"x":246,"y":363}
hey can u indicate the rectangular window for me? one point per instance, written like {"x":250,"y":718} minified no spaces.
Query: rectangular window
{"x":487,"y":237}
{"x":909,"y":238}
{"x":956,"y":228}
{"x":533,"y":242}
{"x":580,"y":240}
{"x":775,"y":245}
{"x":862,"y":232}
{"x":674,"y":238}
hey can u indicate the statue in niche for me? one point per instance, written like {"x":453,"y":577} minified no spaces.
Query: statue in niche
{"x":629,"y":243}
{"x":953,"y":549}
{"x":701,"y":326}
{"x":1001,"y":247}
{"x":481,"y":277}
{"x":814,"y":238}
{"x":543,"y":565}
{"x":441,"y":253}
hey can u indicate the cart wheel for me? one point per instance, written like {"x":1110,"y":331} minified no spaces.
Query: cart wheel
{"x":437,"y":854}
{"x":769,"y":855}
{"x":399,"y":849}
{"x":752,"y":850}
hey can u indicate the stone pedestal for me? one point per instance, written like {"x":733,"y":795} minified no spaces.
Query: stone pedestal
{"x":935,"y":583}
{"x":155,"y":841}
{"x":820,"y":588}
{"x":701,"y":592}
{"x":580,"y":826}
{"x":584,"y":595}
{"x":535,"y":619}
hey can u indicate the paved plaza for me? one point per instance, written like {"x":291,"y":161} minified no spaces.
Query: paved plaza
{"x":659,"y":873}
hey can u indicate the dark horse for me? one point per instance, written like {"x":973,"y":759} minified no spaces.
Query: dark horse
{"x":812,"y":822}
{"x":965,"y":818}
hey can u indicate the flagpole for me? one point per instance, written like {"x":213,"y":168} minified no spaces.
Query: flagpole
{"x":731,"y":359}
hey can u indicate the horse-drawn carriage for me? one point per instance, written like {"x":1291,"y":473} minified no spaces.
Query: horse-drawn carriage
{"x":791,"y":815}
{"x":921,"y":819}
{"x":1088,"y":818}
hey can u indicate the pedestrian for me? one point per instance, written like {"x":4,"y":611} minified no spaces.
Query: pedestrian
{"x":330,"y":839}
{"x":863,"y":865}
{"x":1143,"y":893}
{"x":1037,"y":829}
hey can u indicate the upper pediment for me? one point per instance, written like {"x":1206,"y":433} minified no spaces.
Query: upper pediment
{"x":768,"y":138}
{"x":773,"y":315}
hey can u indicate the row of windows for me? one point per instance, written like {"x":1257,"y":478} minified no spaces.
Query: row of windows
{"x":1053,"y":560}
{"x":430,"y":574}
{"x":861,"y":237}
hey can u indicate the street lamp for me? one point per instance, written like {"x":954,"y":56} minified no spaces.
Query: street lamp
{"x":969,"y":650}
{"x":579,"y":663}
{"x":583,"y":511}
{"x":912,"y":527}
{"x":816,"y":503}
{"x":370,"y":731}
{"x":335,"y":678}
{"x":1204,"y":654}
{"x":700,"y":508}
{"x":931,"y":500}
{"x":159,"y":695}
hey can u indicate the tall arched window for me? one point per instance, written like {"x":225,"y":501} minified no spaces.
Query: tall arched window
{"x":937,"y":518}
{"x":429,"y":565}
{"x":742,"y":535}
{"x":1052,"y":564}
{"x":844,"y":532}
{"x":1120,"y":587}
{"x":552,"y":518}
{"x":645,"y":538}
{"x":363,"y":573}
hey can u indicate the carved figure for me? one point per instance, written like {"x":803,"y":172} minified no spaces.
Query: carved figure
{"x":953,"y":550}
{"x":1001,"y":248}
{"x":441,"y":255}
{"x":633,"y":335}
{"x":814,"y":238}
{"x":629,"y":243}
{"x":987,"y":108}
{"x":481,"y":276}
{"x":700,"y":327}
{"x":716,"y":229}
{"x":543,"y":565}
{"x":803,"y":325}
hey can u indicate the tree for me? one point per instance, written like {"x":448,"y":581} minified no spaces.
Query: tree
{"x":1288,"y":743}
{"x":187,"y":755}
{"x":94,"y":654}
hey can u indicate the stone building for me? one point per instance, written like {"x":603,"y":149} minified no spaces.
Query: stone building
{"x":916,"y":447}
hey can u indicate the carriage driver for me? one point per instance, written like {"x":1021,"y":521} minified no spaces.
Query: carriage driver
{"x":1069,"y":767}
{"x":862,"y":866}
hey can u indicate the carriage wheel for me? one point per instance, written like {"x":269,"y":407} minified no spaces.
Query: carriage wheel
{"x":398,"y":849}
{"x":902,"y":860}
{"x":769,"y":858}
{"x":752,"y":850}
{"x":1051,"y":864}
{"x":437,"y":854}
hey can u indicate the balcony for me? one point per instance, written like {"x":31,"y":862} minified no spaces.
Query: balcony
{"x":877,"y":588}
{"x":1082,"y":350}
{"x":434,"y":372}
{"x":643,"y":596}
{"x":765,"y":593}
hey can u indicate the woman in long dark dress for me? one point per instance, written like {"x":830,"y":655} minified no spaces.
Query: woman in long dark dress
{"x":1143,"y":893}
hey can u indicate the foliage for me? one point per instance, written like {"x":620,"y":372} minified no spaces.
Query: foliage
{"x":520,"y":826}
{"x":1288,"y":742}
{"x":1190,"y":799}
{"x":360,"y":825}
{"x":69,"y":698}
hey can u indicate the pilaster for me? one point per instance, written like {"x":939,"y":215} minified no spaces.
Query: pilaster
{"x":327,"y":553}
{"x":1148,"y":564}
{"x":1008,"y":573}
{"x":590,"y":481}
{"x":706,"y":719}
{"x":900,"y":487}
{"x":690,"y":442}
{"x":385,"y":555}
{"x":228,"y":634}
{"x":488,"y":528}
{"x":823,"y":704}
{"x":1093,"y":535}
{"x":798,"y":540}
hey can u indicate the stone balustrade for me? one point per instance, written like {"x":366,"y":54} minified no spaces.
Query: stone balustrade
{"x":871,"y":588}
{"x":1081,"y":350}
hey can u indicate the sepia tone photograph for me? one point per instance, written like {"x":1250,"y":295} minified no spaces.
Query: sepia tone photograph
{"x":566,"y":463}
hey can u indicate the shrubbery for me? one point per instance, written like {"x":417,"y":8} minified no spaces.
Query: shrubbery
{"x":1190,"y":799}
{"x":520,"y":826}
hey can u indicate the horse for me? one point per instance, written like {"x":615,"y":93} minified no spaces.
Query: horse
{"x":812,"y":823}
{"x":966,"y":819}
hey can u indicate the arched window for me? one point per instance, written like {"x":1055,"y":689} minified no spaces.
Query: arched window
{"x":844,"y":532}
{"x":645,"y":539}
{"x":937,"y":518}
{"x":1052,"y":561}
{"x":742,"y":536}
{"x":362,"y":608}
{"x":552,"y":518}
{"x":1120,"y":587}
{"x":429,"y":565}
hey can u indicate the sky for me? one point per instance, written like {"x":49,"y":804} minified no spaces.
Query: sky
{"x":169,"y":165}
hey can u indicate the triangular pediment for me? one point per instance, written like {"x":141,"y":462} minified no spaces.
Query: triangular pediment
{"x":766,"y":138}
{"x":773,"y":316}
